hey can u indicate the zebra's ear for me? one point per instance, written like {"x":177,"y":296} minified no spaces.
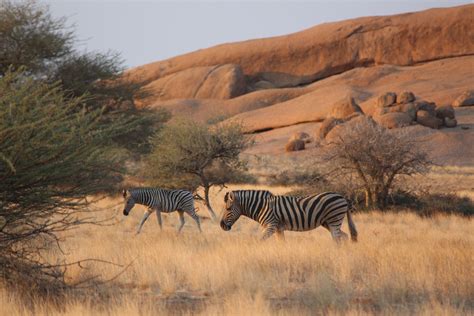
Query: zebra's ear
{"x":226,"y":197}
{"x":231,"y":196}
{"x":124,"y":193}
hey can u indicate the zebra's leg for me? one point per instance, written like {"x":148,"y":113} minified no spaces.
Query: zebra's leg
{"x":280,"y":233}
{"x":268,"y":231}
{"x":196,"y":219}
{"x":158,"y":216}
{"x":325,"y":225}
{"x":181,"y":220}
{"x":144,"y":218}
{"x":337,"y":234}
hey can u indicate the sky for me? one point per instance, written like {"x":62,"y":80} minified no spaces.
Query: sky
{"x":148,"y":31}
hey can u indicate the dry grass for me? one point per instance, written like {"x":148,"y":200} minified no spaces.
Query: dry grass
{"x":292,"y":168}
{"x":402,"y":264}
{"x":447,"y":179}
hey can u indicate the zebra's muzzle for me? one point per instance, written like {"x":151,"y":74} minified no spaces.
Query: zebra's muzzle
{"x":125,"y":212}
{"x":225,"y":227}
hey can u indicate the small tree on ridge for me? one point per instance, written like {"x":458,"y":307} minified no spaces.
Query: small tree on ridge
{"x":187,"y":154}
{"x":375,"y":156}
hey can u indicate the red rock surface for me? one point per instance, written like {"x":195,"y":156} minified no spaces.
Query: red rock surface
{"x":438,"y":81}
{"x":332,"y":48}
{"x":276,"y":85}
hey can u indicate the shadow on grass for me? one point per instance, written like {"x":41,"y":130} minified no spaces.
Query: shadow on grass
{"x":422,"y":203}
{"x":428,"y":204}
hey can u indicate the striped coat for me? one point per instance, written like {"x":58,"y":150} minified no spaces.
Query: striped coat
{"x":279,"y":213}
{"x":161,"y":200}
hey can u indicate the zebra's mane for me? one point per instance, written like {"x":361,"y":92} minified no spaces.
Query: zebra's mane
{"x":145,"y":189}
{"x":141,"y":188}
{"x":240,"y":193}
{"x":139,"y":193}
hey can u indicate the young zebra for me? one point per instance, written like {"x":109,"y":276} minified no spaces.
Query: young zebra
{"x":161,"y":200}
{"x":279,"y":213}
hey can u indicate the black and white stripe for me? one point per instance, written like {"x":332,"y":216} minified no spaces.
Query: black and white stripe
{"x":161,"y":200}
{"x":277,"y":213}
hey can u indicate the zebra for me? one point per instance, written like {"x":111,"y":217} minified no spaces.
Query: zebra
{"x":161,"y":200}
{"x":277,"y":213}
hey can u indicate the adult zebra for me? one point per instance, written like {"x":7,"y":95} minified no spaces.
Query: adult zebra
{"x":161,"y":200}
{"x":279,"y":213}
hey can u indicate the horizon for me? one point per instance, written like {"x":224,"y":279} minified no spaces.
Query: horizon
{"x":146,"y":39}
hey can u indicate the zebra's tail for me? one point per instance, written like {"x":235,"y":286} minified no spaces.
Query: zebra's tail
{"x":350,"y":222}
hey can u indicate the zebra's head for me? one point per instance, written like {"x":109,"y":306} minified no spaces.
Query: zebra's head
{"x":231,"y":212}
{"x":129,"y":202}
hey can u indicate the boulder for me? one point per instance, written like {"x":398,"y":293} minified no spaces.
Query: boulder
{"x":394,"y":120}
{"x":425,"y":118}
{"x":410,"y":109}
{"x":327,"y":125}
{"x":211,"y":82}
{"x":450,"y":122}
{"x":445,"y":111}
{"x":429,"y":107}
{"x":283,"y":80}
{"x":405,"y":97}
{"x":338,"y":131}
{"x":295,"y":145}
{"x":345,"y":108}
{"x":262,"y":85}
{"x":360,"y":119}
{"x":386,"y":99}
{"x":302,"y":136}
{"x":353,"y":116}
{"x":334,"y":134}
{"x":465,"y":99}
{"x":331,"y":48}
{"x":380,"y":111}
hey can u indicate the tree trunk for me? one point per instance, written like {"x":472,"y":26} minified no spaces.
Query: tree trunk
{"x":208,"y":203}
{"x":374,"y":199}
{"x":367,"y":198}
{"x":378,"y":199}
{"x":372,"y":196}
{"x":384,"y":197}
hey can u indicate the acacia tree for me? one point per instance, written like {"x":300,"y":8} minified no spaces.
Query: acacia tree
{"x":375,"y":157}
{"x":64,"y":134}
{"x":51,"y":157}
{"x":188,"y":154}
{"x":31,"y":38}
{"x":43,"y":47}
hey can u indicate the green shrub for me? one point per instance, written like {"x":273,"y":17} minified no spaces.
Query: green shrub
{"x":188,"y":154}
{"x":52,"y":156}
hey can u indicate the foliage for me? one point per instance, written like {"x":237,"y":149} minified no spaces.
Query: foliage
{"x":371,"y":157}
{"x":187,"y":154}
{"x":51,"y":157}
{"x":41,"y":45}
{"x":30,"y":37}
{"x":91,"y":73}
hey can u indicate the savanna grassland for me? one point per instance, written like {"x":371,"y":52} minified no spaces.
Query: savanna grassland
{"x":402,"y":264}
{"x":76,"y":123}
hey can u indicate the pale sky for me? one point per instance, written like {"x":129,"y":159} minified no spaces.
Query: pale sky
{"x":147,"y":31}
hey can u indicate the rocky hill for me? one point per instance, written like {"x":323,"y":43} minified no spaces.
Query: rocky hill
{"x":276,"y":85}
